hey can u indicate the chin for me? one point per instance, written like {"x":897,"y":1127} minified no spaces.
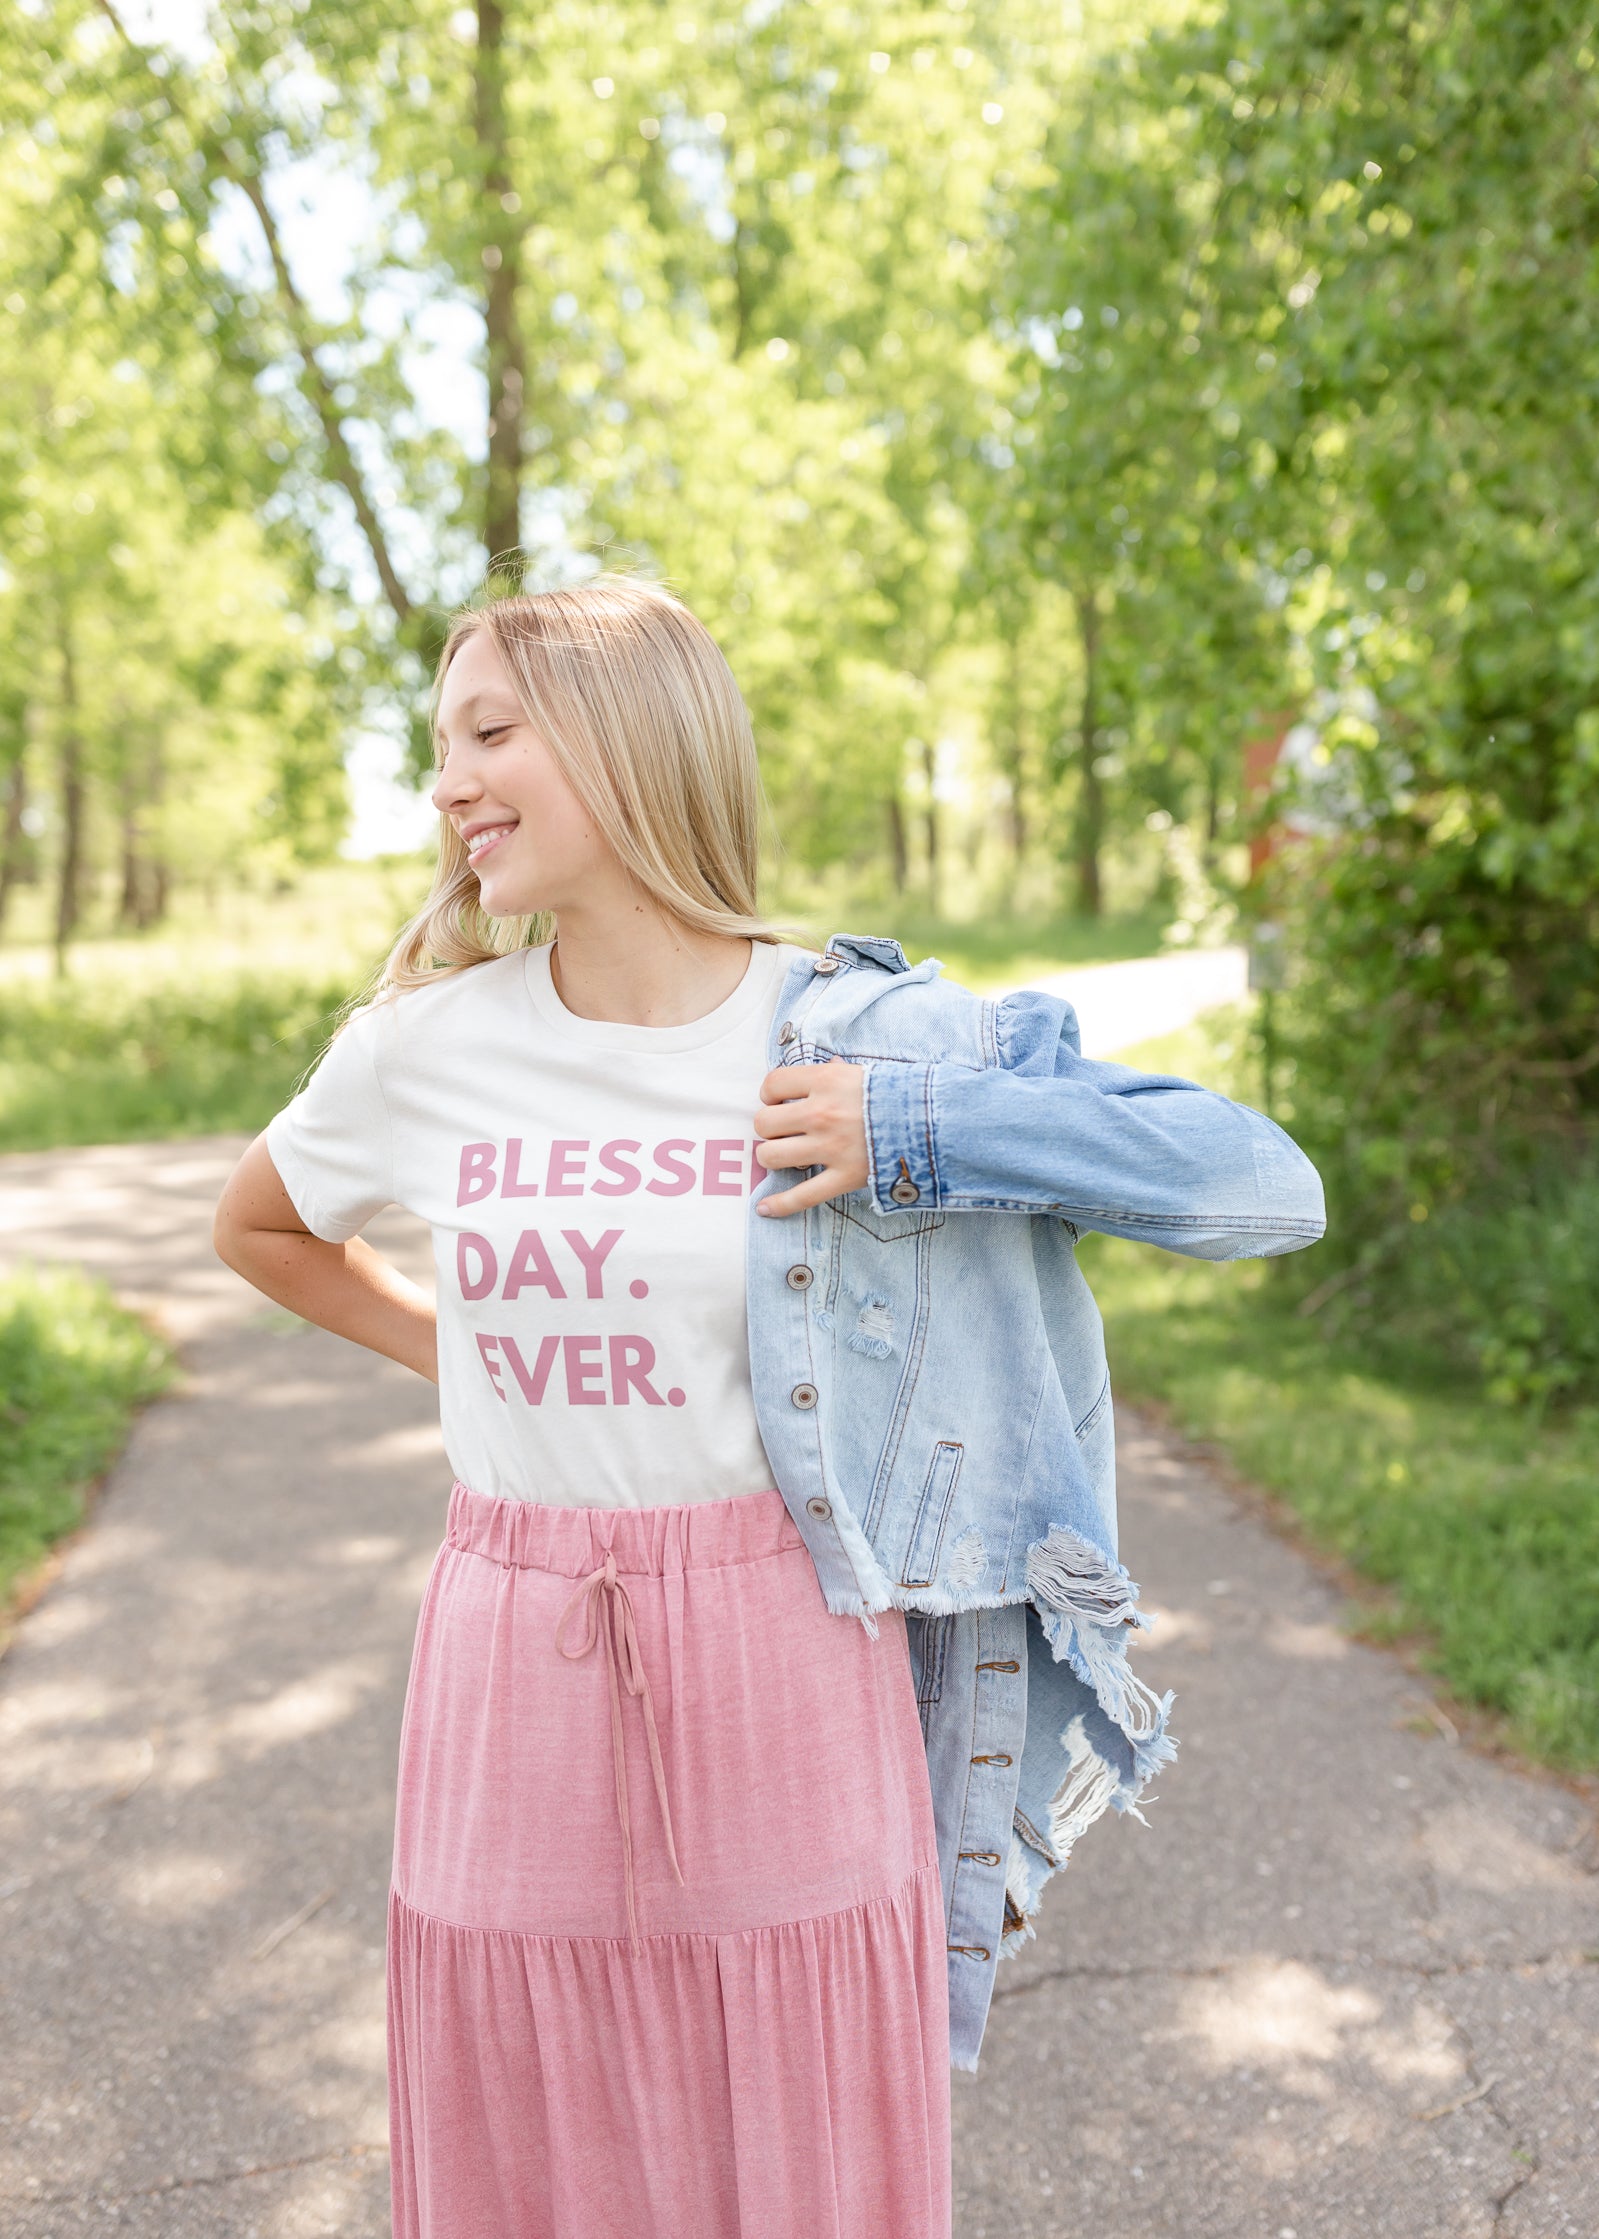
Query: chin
{"x":498,"y":900}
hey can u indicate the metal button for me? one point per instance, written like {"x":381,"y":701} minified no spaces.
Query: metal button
{"x":801,"y":1278}
{"x":827,"y":964}
{"x":819,"y":1507}
{"x":803,"y":1395}
{"x":905,"y":1192}
{"x":786,"y":1033}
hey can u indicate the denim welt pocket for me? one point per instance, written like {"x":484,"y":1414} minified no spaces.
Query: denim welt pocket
{"x":887,"y":1228}
{"x":932,"y":1514}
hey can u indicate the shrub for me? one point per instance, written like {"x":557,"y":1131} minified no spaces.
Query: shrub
{"x":73,"y":1368}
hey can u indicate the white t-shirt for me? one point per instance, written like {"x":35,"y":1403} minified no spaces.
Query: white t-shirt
{"x":587,"y":1187}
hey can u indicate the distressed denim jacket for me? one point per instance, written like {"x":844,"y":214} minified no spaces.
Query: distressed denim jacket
{"x":930,"y":1380}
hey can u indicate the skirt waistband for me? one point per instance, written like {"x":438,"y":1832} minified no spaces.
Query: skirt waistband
{"x":645,"y":1542}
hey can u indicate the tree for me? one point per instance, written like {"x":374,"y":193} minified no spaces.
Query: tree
{"x":146,"y":615}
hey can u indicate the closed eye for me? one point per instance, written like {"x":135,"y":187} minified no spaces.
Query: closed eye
{"x":488,"y":731}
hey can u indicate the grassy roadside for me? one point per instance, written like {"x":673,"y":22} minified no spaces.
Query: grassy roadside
{"x":152,"y":1038}
{"x":1004,"y":952}
{"x":1480,"y":1522}
{"x":74,"y":1369}
{"x":108,"y":1063}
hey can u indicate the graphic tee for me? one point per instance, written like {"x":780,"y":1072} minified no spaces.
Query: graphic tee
{"x":587,"y":1186}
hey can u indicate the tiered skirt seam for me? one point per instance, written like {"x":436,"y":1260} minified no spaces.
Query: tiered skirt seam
{"x":885,"y":1900}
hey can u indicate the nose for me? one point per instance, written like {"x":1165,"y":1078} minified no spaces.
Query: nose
{"x":456,"y":786}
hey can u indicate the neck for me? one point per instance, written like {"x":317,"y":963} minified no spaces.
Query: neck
{"x":639,"y":967}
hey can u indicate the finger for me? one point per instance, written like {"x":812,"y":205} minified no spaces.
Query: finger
{"x":792,"y":1150}
{"x":782,"y":1119}
{"x":786,"y":1081}
{"x":831,"y":1182}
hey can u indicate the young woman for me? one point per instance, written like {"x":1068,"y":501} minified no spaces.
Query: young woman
{"x":691,"y":1879}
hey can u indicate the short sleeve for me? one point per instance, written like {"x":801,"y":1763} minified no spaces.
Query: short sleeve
{"x":333,"y":1146}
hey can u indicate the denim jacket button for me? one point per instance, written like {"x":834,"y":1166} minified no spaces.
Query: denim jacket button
{"x":786,"y":1032}
{"x":826,"y":964}
{"x":905,"y":1193}
{"x":800,"y":1278}
{"x":803,"y":1395}
{"x":819,"y":1507}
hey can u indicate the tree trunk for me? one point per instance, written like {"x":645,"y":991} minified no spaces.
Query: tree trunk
{"x":13,"y":836}
{"x":129,"y":902}
{"x":155,"y":891}
{"x":1012,"y":758}
{"x":1090,"y":829}
{"x":898,"y":850}
{"x":69,"y":875}
{"x":930,"y":765}
{"x":502,"y":260}
{"x":743,"y":288}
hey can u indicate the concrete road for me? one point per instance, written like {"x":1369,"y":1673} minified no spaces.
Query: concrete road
{"x":1344,"y":1986}
{"x":1118,"y":1005}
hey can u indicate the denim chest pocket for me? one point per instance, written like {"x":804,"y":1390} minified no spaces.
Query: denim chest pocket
{"x":885,"y":1228}
{"x":869,"y":1268}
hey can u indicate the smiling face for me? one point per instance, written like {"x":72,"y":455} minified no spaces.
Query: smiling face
{"x":530,"y":840}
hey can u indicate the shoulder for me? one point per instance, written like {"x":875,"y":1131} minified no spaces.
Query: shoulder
{"x":890,"y":1007}
{"x":406,"y":1021}
{"x":880,"y":1004}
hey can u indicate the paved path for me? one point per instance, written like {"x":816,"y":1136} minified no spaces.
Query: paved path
{"x":1342,"y":1987}
{"x":1118,"y":1005}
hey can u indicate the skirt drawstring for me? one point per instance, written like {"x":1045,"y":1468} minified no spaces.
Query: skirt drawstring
{"x":609,"y":1621}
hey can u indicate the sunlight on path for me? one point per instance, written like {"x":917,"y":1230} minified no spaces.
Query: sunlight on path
{"x":1119,"y":1005}
{"x":1341,"y":1983}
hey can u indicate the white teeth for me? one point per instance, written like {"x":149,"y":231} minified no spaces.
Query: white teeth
{"x":480,"y":840}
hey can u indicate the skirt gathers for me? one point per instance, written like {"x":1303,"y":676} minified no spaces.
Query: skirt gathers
{"x":666,"y":1938}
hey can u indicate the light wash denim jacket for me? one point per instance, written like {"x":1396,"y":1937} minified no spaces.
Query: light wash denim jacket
{"x":930,"y":1380}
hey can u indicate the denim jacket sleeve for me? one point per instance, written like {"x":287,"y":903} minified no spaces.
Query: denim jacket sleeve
{"x":1046,"y":1130}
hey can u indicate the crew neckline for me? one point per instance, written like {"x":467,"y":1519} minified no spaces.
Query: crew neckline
{"x":763,"y":974}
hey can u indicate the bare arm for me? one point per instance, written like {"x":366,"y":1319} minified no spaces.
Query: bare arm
{"x":348,"y":1288}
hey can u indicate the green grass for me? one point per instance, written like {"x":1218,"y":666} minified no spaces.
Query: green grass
{"x":1482,"y":1525}
{"x":999,"y":951}
{"x":105,"y":1063}
{"x":336,"y":920}
{"x":207,"y":1024}
{"x":202,"y":1024}
{"x":74,"y":1367}
{"x":1480,"y":1522}
{"x":989,"y":952}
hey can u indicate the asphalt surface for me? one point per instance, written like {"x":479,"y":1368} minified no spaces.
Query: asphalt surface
{"x":1120,"y":1005}
{"x":1345,"y":1985}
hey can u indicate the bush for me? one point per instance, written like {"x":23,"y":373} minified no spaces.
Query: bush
{"x":73,"y":1368}
{"x":1442,"y":1041}
{"x":96,"y":1062}
{"x":1482,"y":1527}
{"x":1505,"y":1294}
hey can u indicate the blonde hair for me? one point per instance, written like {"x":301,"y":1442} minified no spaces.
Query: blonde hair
{"x":632,"y":696}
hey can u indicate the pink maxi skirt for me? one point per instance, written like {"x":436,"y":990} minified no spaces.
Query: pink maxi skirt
{"x":588,"y":2040}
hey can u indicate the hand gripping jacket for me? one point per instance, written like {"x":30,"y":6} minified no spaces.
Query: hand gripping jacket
{"x":929,"y":1374}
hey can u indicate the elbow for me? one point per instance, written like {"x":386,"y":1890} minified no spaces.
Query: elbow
{"x":226,"y":1237}
{"x":1295,"y":1239}
{"x":1261,"y":1237}
{"x":1285,"y":1211}
{"x":1291,"y":1206}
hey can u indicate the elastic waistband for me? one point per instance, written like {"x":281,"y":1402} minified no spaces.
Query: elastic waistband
{"x":571,"y":1542}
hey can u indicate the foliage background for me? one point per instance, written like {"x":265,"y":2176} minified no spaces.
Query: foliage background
{"x":1041,"y":406}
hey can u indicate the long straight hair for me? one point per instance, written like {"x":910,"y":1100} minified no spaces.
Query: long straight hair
{"x":638,"y":707}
